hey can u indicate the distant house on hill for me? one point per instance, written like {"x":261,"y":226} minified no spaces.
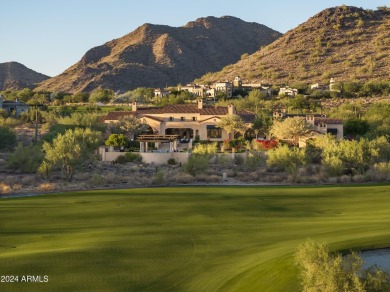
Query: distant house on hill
{"x":320,"y":124}
{"x":187,"y":121}
{"x":13,"y":108}
{"x":288,"y":91}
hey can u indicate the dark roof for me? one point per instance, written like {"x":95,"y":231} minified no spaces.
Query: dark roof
{"x":181,"y":109}
{"x":327,"y":121}
{"x":14,"y":103}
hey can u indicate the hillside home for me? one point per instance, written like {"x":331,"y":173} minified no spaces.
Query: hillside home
{"x":288,"y":91}
{"x":13,"y":108}
{"x":187,"y":121}
{"x":319,"y":123}
{"x":226,"y":87}
{"x":158,"y":92}
{"x":248,"y":87}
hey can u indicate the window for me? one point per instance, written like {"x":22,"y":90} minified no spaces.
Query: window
{"x":194,"y":118}
{"x":182,"y":119}
{"x":171,"y":118}
{"x":214,"y":132}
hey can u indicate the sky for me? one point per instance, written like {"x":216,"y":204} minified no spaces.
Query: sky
{"x":49,"y":36}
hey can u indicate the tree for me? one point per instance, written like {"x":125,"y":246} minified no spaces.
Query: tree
{"x":285,"y":158}
{"x":26,"y":159}
{"x":132,"y":126}
{"x":116,"y":140}
{"x":322,"y":271}
{"x":101,"y":95}
{"x":7,"y":138}
{"x":232,"y":124}
{"x":70,"y":150}
{"x":262,"y":123}
{"x":290,"y":129}
{"x":356,"y":127}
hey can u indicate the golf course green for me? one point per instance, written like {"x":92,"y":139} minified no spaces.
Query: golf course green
{"x":182,"y":238}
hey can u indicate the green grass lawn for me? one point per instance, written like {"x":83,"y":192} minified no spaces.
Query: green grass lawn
{"x":185,"y":238}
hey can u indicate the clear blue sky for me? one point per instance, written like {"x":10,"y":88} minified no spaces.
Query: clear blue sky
{"x":49,"y":36}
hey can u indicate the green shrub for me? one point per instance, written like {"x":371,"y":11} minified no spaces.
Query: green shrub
{"x":254,"y":160}
{"x":133,"y":157}
{"x":171,"y":161}
{"x":128,"y":157}
{"x":25,"y":159}
{"x":322,"y":271}
{"x":7,"y":138}
{"x":196,"y":163}
{"x":205,"y":148}
{"x":284,"y":158}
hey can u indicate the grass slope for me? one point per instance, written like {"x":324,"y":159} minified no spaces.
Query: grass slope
{"x":183,"y":239}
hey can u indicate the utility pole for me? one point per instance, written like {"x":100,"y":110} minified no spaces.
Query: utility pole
{"x":36,"y":124}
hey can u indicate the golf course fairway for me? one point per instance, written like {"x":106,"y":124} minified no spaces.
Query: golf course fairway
{"x":182,"y":238}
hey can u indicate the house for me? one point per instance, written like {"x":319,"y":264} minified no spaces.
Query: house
{"x":158,"y":92}
{"x":13,"y":108}
{"x":288,"y":91}
{"x":196,"y":89}
{"x":320,"y":124}
{"x":186,"y":121}
{"x":226,"y":87}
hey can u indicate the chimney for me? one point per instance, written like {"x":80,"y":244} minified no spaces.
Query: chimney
{"x":200,"y":103}
{"x":134,"y":106}
{"x":231,"y":109}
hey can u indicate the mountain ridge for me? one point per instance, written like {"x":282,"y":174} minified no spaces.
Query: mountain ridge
{"x":14,"y":76}
{"x":155,"y":55}
{"x":344,"y":42}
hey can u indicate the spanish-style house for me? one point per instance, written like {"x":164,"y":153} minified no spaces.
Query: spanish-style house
{"x":320,"y":124}
{"x":187,"y":121}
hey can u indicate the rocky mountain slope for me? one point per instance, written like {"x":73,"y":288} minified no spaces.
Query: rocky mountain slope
{"x":156,"y":55}
{"x":15,"y":76}
{"x":346,"y":43}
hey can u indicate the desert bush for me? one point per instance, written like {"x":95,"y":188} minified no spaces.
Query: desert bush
{"x":17,"y":186}
{"x":205,"y":148}
{"x":46,"y":187}
{"x":171,"y":161}
{"x":25,"y":159}
{"x":7,"y":138}
{"x":133,"y":157}
{"x":254,"y":160}
{"x":238,"y":160}
{"x":344,"y":179}
{"x":202,"y":177}
{"x":322,"y":271}
{"x":5,"y":188}
{"x":332,"y":180}
{"x":285,"y":159}
{"x":224,"y":160}
{"x":181,"y":178}
{"x":96,"y":180}
{"x":110,"y":178}
{"x":159,"y":178}
{"x":28,"y":180}
{"x":196,"y":163}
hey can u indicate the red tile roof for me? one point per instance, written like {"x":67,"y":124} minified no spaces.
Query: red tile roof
{"x":181,"y":109}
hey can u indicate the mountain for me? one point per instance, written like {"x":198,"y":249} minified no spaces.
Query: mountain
{"x":14,"y":75}
{"x":346,"y":43}
{"x":157,"y":55}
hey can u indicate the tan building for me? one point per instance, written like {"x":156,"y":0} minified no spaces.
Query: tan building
{"x":188,"y":121}
{"x":226,"y":87}
{"x":320,"y":123}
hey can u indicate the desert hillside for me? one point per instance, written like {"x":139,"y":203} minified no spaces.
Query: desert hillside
{"x":159,"y":55}
{"x":346,"y":43}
